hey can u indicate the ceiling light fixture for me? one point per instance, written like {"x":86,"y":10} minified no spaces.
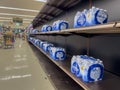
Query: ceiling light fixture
{"x":28,"y":19}
{"x":26,"y":22}
{"x":4,"y":18}
{"x":41,"y":0}
{"x":25,"y":19}
{"x":16,"y":15}
{"x":20,"y":9}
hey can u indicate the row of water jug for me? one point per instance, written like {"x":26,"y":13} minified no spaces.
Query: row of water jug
{"x":88,"y":68}
{"x":56,"y":53}
{"x":90,"y":17}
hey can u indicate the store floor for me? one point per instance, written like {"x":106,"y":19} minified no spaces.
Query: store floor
{"x":20,"y":69}
{"x":26,"y":68}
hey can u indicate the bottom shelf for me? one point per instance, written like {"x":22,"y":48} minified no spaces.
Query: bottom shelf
{"x":109,"y":82}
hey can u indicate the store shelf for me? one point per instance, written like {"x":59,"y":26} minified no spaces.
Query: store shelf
{"x":97,"y":29}
{"x":109,"y":82}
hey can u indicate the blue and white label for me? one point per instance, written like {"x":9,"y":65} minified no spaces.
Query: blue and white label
{"x":49,"y":28}
{"x":60,"y":55}
{"x":101,"y":16}
{"x":81,"y":20}
{"x":63,"y":26}
{"x":95,"y":73}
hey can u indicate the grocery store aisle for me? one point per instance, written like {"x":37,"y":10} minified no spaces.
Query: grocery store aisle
{"x":20,"y":69}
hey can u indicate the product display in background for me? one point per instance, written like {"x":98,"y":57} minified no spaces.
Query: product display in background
{"x":46,"y":28}
{"x":60,"y":25}
{"x":87,"y":68}
{"x":90,"y":17}
{"x":1,"y":43}
{"x":1,"y":40}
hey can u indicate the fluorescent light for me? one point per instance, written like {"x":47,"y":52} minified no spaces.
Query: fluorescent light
{"x":25,"y":19}
{"x":20,"y":9}
{"x":28,"y":19}
{"x":5,"y":18}
{"x":16,"y":15}
{"x":26,"y":22}
{"x":41,"y":0}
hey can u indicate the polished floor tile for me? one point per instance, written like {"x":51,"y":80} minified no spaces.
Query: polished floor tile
{"x":20,"y":69}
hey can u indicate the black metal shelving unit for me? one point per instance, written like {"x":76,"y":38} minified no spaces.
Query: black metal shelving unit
{"x":100,"y":41}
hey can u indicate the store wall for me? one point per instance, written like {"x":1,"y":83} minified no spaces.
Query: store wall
{"x":103,"y":46}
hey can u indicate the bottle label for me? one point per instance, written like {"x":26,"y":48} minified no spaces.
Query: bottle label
{"x":81,"y":20}
{"x":59,"y":55}
{"x":95,"y":73}
{"x":101,"y":16}
{"x":63,"y":26}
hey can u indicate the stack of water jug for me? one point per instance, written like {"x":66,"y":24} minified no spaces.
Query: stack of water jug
{"x":56,"y":53}
{"x":90,"y":17}
{"x":87,"y":68}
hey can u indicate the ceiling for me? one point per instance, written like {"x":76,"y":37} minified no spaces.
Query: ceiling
{"x":51,"y":9}
{"x":28,"y":9}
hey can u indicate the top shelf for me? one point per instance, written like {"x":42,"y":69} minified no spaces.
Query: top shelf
{"x":113,"y":27}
